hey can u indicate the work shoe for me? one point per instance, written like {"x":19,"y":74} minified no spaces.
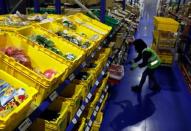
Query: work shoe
{"x":136,"y":89}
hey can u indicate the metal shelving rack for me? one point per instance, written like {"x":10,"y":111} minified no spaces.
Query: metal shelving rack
{"x":35,"y":113}
{"x":44,"y":105}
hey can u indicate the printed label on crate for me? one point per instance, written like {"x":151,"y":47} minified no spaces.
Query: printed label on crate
{"x":74,"y":121}
{"x":95,"y":113}
{"x":89,"y":96}
{"x":87,"y":128}
{"x":106,"y":88}
{"x":90,"y":123}
{"x":79,"y":113}
{"x":97,"y":83}
{"x":97,"y":108}
{"x":53,"y":96}
{"x":107,"y":64}
{"x":99,"y":48}
{"x":83,"y":64}
{"x":82,"y":107}
{"x":93,"y":54}
{"x":25,"y":124}
{"x":101,"y":100}
{"x":71,"y":77}
{"x":86,"y":100}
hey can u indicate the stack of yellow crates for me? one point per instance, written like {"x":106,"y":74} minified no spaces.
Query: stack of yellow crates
{"x":165,"y":38}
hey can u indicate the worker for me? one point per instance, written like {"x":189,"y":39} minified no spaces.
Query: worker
{"x":150,"y":60}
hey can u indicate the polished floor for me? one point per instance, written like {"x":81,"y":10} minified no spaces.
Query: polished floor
{"x":167,"y":110}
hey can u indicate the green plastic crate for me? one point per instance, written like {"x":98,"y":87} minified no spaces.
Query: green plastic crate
{"x":108,"y":20}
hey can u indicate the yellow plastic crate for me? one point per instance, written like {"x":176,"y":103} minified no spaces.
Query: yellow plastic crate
{"x":166,"y":24}
{"x":161,"y":41}
{"x":91,"y":24}
{"x":166,"y":58}
{"x":73,"y":94}
{"x":54,"y":27}
{"x":87,"y":83}
{"x":93,"y":105}
{"x":38,"y":59}
{"x":95,"y":70}
{"x":104,"y":83}
{"x":104,"y":102}
{"x":97,"y":123}
{"x":93,"y":21}
{"x":19,"y":113}
{"x":60,"y":44}
{"x":60,"y":123}
{"x":82,"y":125}
{"x":85,"y":32}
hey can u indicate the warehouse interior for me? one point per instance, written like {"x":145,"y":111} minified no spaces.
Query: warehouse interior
{"x":95,"y":65}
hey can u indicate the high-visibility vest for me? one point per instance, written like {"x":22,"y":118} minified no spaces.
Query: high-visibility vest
{"x":154,"y":61}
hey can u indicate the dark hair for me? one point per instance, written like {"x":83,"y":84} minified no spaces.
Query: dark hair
{"x":140,"y":45}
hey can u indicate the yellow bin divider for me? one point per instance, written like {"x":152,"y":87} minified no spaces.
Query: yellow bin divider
{"x":54,"y":27}
{"x":82,"y":124}
{"x":73,"y":94}
{"x":58,"y":124}
{"x":85,"y":32}
{"x":97,"y":123}
{"x":39,"y":60}
{"x":63,"y":46}
{"x":166,"y":24}
{"x":91,"y":24}
{"x":10,"y":121}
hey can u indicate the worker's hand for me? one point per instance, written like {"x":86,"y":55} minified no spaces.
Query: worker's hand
{"x":134,"y":66}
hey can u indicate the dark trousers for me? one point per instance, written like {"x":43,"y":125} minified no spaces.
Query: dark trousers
{"x":152,"y":80}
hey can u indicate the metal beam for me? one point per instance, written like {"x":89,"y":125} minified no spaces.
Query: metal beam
{"x":3,"y":7}
{"x":36,"y":6}
{"x":103,"y":10}
{"x":58,"y":6}
{"x":124,"y":4}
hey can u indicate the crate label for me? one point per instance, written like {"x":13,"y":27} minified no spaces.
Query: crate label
{"x":95,"y":113}
{"x":53,"y":96}
{"x":74,"y":121}
{"x":97,"y":83}
{"x":25,"y":125}
{"x":101,"y":100}
{"x":107,"y":87}
{"x":90,"y":123}
{"x":103,"y":73}
{"x":87,"y":128}
{"x":86,"y":100}
{"x":99,"y":48}
{"x":79,"y":113}
{"x":97,"y":108}
{"x":93,"y":54}
{"x":89,"y":96}
{"x":102,"y":96}
{"x":82,"y":107}
{"x":71,"y":77}
{"x":107,"y":64}
{"x":83,"y":64}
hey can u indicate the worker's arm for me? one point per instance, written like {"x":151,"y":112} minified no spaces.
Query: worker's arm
{"x":138,"y":58}
{"x":145,"y":56}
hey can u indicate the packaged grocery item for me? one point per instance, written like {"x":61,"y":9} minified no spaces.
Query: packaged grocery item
{"x":10,"y":97}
